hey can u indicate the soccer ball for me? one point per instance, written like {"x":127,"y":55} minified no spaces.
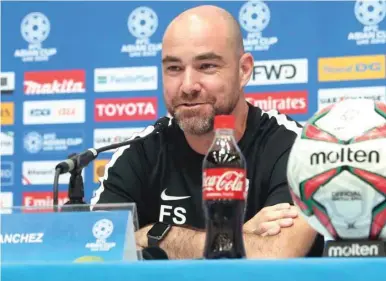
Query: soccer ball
{"x":337,"y":170}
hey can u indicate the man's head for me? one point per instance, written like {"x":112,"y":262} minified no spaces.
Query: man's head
{"x":204,"y":67}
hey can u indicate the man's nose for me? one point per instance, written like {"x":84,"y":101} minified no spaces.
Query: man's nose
{"x":190,"y":84}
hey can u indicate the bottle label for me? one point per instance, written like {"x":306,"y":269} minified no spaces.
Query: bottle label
{"x":224,"y":183}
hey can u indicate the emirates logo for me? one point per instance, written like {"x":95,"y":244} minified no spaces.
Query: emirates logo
{"x":220,"y":183}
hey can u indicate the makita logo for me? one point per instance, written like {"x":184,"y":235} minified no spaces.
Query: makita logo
{"x":125,"y":109}
{"x":287,"y":102}
{"x":345,"y":155}
{"x":54,"y":82}
{"x":354,"y":250}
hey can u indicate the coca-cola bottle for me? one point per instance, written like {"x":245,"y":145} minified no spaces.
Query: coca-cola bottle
{"x":224,"y":193}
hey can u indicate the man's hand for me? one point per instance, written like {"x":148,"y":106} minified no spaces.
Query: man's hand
{"x":270,"y":220}
{"x":141,"y":236}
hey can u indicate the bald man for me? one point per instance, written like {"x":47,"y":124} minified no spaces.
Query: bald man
{"x":205,"y":70}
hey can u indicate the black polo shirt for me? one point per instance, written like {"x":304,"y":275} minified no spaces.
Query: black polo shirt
{"x":163,"y":175}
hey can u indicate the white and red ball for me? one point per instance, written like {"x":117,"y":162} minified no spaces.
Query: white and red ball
{"x":337,"y":170}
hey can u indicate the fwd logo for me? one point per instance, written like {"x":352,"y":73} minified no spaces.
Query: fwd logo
{"x":284,"y":71}
{"x":279,"y":72}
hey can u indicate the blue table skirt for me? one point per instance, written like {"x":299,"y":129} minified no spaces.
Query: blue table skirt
{"x":331,"y":269}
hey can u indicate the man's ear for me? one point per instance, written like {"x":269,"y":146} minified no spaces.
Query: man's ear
{"x":246,"y":68}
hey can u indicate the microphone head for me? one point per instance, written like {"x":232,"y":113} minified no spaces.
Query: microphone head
{"x":162,"y":123}
{"x":154,"y":253}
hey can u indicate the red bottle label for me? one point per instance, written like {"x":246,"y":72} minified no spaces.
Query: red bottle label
{"x":224,"y":183}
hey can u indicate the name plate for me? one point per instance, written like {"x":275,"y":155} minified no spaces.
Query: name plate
{"x":68,"y":237}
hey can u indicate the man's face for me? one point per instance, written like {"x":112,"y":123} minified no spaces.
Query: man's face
{"x":200,"y":78}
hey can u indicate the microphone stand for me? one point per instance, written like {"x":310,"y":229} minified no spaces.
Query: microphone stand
{"x":76,"y":187}
{"x":75,"y":190}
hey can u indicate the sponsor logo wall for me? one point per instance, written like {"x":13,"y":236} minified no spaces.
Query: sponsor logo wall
{"x":65,"y":89}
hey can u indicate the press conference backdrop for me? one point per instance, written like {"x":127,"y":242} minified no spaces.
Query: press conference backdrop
{"x":76,"y":75}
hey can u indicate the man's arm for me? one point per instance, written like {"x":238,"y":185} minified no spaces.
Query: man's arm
{"x":186,"y":243}
{"x":125,"y":181}
{"x":293,"y":241}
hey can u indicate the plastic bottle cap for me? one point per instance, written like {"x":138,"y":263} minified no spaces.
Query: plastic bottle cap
{"x":224,"y":122}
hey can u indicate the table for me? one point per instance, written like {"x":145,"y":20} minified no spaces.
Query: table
{"x":310,"y":269}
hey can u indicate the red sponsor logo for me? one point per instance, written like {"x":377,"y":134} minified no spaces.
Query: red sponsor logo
{"x":286,"y":102}
{"x":125,"y":109}
{"x":54,"y":82}
{"x":223,"y":183}
{"x":42,"y":201}
{"x":67,"y":111}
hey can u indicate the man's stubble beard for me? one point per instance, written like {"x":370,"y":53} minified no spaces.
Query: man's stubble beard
{"x":194,"y":124}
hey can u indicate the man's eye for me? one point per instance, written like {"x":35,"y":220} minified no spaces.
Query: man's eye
{"x":173,"y":68}
{"x":207,"y":66}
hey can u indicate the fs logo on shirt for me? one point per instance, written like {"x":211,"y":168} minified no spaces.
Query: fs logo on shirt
{"x":54,"y":112}
{"x":273,"y":72}
{"x":125,"y":109}
{"x":351,"y":68}
{"x":54,"y":82}
{"x":42,"y":201}
{"x":7,"y":113}
{"x":35,"y":28}
{"x":286,"y":102}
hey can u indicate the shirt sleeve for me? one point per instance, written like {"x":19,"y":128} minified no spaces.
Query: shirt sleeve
{"x":278,"y":191}
{"x":126,"y":181}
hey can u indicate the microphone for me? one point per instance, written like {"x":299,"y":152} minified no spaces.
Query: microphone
{"x":81,"y":160}
{"x":77,"y":162}
{"x":154,"y":253}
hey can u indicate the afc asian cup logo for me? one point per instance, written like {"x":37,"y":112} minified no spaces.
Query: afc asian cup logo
{"x":33,"y":142}
{"x":103,"y":229}
{"x":142,"y":22}
{"x":254,"y":17}
{"x":35,"y":28}
{"x":370,"y":12}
